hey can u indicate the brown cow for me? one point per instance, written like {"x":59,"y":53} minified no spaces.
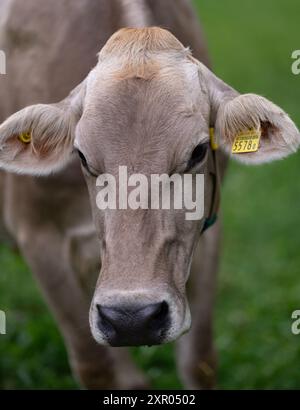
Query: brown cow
{"x":147,"y":105}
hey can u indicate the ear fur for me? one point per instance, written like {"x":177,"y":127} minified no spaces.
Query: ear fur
{"x":50,"y":135}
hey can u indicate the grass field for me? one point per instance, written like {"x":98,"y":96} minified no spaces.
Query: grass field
{"x":259,"y":283}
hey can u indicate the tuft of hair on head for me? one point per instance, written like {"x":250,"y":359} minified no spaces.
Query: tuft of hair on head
{"x":137,"y":40}
{"x":136,"y":47}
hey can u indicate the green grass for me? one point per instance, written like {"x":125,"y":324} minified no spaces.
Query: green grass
{"x":259,"y":283}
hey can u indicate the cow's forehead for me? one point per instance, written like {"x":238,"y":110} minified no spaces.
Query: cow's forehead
{"x":140,"y":121}
{"x":172,"y":89}
{"x":168,"y":90}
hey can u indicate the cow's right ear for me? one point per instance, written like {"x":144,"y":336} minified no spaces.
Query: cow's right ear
{"x":38,"y":140}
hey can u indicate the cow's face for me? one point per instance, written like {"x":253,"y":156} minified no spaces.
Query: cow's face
{"x":149,"y":115}
{"x":146,"y":107}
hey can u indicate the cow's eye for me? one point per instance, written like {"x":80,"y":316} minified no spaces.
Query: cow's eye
{"x":85,"y":163}
{"x":197,"y":155}
{"x":82,"y":159}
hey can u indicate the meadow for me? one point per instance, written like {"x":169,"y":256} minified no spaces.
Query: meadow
{"x":251,"y":44}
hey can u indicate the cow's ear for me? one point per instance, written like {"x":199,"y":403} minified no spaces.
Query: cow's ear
{"x":254,"y":130}
{"x":38,"y":140}
{"x":249,"y":127}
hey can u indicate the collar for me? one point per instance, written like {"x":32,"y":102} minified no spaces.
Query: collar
{"x":215,"y":175}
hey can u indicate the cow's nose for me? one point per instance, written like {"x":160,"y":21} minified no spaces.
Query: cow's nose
{"x":134,"y":325}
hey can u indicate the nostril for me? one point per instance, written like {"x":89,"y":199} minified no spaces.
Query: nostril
{"x":158,"y":321}
{"x":101,"y":312}
{"x":105,"y":323}
{"x":161,"y":312}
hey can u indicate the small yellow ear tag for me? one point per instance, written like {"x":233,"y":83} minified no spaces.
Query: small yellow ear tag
{"x":25,"y":137}
{"x":246,"y":142}
{"x":213,"y":142}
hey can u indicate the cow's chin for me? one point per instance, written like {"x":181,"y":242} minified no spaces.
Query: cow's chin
{"x":180,"y":323}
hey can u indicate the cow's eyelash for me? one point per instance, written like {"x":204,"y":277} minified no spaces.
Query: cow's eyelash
{"x":85,"y":163}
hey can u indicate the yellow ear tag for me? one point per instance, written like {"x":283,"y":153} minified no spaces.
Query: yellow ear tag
{"x":246,"y":142}
{"x":213,"y":142}
{"x":25,"y":137}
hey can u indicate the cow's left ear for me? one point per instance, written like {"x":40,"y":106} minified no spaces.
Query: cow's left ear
{"x":249,"y":127}
{"x":254,"y":130}
{"x":38,"y":140}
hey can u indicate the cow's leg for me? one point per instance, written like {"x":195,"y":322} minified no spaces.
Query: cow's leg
{"x":196,"y":356}
{"x":94,"y":366}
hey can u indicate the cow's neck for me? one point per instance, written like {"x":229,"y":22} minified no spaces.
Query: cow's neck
{"x":136,"y":13}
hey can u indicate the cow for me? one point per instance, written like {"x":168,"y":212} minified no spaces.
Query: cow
{"x":150,"y":103}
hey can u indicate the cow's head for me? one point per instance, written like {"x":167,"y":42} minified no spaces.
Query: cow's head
{"x":147,"y":105}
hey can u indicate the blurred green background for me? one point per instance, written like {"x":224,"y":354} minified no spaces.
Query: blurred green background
{"x":251,"y":43}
